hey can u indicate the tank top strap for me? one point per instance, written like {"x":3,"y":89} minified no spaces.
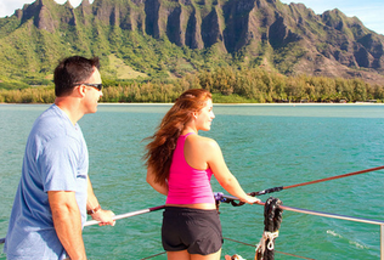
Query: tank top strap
{"x":190,"y":133}
{"x":180,"y":150}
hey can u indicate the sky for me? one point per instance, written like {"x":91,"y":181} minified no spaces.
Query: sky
{"x":370,"y":12}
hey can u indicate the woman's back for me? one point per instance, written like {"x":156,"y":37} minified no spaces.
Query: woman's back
{"x":187,"y":183}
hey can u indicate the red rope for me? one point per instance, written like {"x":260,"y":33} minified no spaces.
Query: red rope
{"x":334,"y":177}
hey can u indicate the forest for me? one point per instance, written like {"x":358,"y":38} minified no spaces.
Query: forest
{"x":228,"y":85}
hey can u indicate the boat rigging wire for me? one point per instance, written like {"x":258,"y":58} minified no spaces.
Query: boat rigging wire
{"x":117,"y":217}
{"x":254,"y":246}
{"x":320,"y":213}
{"x":304,"y":211}
{"x":239,"y":242}
{"x":152,"y":256}
{"x":316,"y":181}
{"x":276,"y":189}
{"x":231,"y":199}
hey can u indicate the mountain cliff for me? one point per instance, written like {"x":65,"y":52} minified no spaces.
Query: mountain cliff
{"x":174,"y":37}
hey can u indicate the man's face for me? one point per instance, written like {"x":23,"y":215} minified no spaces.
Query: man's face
{"x":92,"y":94}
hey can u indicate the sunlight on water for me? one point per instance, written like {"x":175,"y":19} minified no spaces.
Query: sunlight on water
{"x":264,"y":146}
{"x":354,"y":243}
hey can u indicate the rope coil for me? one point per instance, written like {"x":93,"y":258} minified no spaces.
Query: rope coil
{"x":273,"y":216}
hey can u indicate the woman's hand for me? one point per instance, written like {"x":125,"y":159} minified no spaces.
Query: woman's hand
{"x":250,"y":200}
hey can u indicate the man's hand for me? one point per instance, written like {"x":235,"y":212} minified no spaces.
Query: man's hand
{"x":104,"y":217}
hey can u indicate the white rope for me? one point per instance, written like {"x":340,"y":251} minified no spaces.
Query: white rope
{"x":271,"y":236}
{"x":260,"y":248}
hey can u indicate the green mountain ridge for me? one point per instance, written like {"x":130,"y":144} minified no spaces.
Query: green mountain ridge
{"x":172,"y":38}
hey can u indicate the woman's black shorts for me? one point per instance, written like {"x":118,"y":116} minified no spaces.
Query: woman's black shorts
{"x":196,"y":230}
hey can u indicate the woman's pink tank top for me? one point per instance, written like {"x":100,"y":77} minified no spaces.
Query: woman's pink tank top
{"x":186,"y":184}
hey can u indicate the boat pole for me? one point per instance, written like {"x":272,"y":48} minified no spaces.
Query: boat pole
{"x":276,"y":189}
{"x":117,"y":217}
{"x":126,"y":215}
{"x":330,"y":215}
{"x":381,"y":242}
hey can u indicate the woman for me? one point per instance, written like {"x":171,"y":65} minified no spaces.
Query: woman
{"x":180,"y":164}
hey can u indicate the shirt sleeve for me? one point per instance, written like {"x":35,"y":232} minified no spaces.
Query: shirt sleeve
{"x":59,"y":164}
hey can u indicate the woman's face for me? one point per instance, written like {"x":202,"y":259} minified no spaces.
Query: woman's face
{"x":205,"y":116}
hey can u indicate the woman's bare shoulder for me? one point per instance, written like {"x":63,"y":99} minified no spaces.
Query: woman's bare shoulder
{"x":204,"y":142}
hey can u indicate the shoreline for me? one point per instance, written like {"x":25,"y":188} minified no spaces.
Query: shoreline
{"x":253,"y":104}
{"x":222,"y":104}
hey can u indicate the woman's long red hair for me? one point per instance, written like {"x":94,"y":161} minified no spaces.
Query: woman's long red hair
{"x":160,"y":150}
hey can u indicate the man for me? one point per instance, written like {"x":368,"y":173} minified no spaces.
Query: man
{"x":55,"y":192}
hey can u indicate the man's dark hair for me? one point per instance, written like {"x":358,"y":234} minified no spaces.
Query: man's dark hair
{"x":71,"y":71}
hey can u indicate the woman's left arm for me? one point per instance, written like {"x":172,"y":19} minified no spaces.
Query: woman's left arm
{"x":160,"y":188}
{"x":223,"y":175}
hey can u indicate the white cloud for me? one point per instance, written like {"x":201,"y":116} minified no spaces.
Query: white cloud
{"x":73,"y":2}
{"x":8,"y":7}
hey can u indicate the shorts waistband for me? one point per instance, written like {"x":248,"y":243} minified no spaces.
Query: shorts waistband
{"x":181,"y":210}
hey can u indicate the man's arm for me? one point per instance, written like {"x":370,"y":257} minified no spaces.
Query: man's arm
{"x":99,"y":214}
{"x":67,"y":222}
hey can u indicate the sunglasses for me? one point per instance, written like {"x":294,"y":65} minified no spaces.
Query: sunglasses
{"x":98,"y":86}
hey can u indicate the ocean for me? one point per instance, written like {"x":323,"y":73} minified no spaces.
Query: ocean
{"x":264,"y":146}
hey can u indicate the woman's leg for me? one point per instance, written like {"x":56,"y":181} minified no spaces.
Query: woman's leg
{"x":184,"y":255}
{"x":214,"y":256}
{"x":178,"y":255}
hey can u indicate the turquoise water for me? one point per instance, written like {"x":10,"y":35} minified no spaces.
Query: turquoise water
{"x":264,"y":146}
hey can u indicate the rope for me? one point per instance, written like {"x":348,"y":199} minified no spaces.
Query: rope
{"x":152,"y":256}
{"x":239,"y":242}
{"x":279,"y":252}
{"x":219,"y":197}
{"x":267,"y":237}
{"x":277,"y":189}
{"x":273,"y":216}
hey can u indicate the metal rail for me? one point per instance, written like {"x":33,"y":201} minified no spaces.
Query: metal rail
{"x":126,"y":215}
{"x":335,"y":216}
{"x":298,"y":210}
{"x":117,"y":217}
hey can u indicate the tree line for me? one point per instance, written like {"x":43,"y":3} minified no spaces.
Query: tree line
{"x":227,"y":84}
